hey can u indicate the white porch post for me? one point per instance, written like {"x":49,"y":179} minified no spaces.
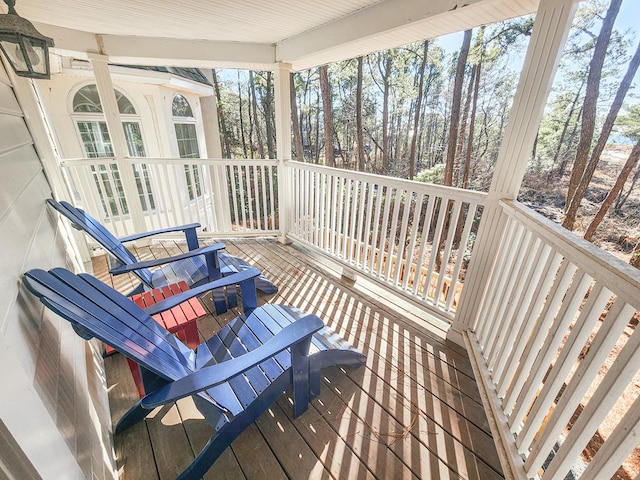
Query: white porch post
{"x":209,"y":108}
{"x":283,"y":144}
{"x":552,"y":24}
{"x":118,"y":139}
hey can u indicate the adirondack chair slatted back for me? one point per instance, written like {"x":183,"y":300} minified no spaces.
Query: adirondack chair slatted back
{"x":113,"y":319}
{"x":83,"y":221}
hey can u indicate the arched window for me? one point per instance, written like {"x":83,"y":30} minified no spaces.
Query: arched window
{"x":185,"y":127}
{"x":96,"y":142}
{"x":87,"y":100}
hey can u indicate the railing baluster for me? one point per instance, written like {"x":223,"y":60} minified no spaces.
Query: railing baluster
{"x":385,"y":253}
{"x":624,"y":368}
{"x":441,"y":205}
{"x":426,"y":228}
{"x":272,"y":196}
{"x":360,"y":243}
{"x":575,"y":296}
{"x":548,"y":270}
{"x":400,"y":262}
{"x":376,"y":252}
{"x":355,"y":195}
{"x":504,"y":262}
{"x":264,"y":171}
{"x":451,"y":233}
{"x":616,"y":321}
{"x":534,"y":344}
{"x":334,"y":212}
{"x":415,"y":223}
{"x":392,"y":256}
{"x":367,"y":247}
{"x":518,"y":297}
{"x":339,"y":228}
{"x":462,"y":247}
{"x":598,"y":299}
{"x":512,"y":274}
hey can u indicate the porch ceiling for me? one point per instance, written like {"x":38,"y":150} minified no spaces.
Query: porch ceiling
{"x":253,"y":33}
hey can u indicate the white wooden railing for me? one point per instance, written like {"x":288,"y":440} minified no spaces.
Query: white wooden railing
{"x":228,"y":197}
{"x":561,"y":352}
{"x":413,"y":237}
{"x":554,"y":344}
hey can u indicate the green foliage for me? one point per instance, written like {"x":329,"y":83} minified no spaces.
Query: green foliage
{"x":434,"y":174}
{"x":629,"y":124}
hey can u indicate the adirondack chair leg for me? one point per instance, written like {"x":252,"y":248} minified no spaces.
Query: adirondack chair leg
{"x":228,"y":432}
{"x":320,"y":360}
{"x":300,"y":376}
{"x":132,"y":416}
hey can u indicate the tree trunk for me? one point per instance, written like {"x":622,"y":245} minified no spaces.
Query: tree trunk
{"x":565,"y":159}
{"x":327,"y":115}
{"x":590,"y":168}
{"x":463,"y":125}
{"x":455,"y":108}
{"x":416,"y":120}
{"x":221,"y":118}
{"x":359,"y":130}
{"x":268,"y":114}
{"x":624,"y":196}
{"x":254,"y":107}
{"x":386,"y":77}
{"x":589,"y":113}
{"x":565,"y":127}
{"x":631,"y":162}
{"x":477,"y":68}
{"x":244,"y":142}
{"x":295,"y":120}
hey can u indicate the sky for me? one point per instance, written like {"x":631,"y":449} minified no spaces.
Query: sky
{"x":627,"y":20}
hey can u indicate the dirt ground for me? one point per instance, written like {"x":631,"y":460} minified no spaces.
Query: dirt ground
{"x":619,"y":232}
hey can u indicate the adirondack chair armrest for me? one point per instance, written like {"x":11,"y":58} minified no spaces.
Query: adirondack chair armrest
{"x":161,"y":261}
{"x":297,"y":333}
{"x":240,"y":278}
{"x":189,"y":232}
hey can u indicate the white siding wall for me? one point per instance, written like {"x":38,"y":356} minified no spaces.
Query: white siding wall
{"x":53,"y":395}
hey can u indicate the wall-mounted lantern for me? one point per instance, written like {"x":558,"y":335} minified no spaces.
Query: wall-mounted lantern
{"x":26,"y":49}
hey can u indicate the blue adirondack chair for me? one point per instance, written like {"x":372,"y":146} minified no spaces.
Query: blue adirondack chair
{"x":233,"y":377}
{"x":195,"y":267}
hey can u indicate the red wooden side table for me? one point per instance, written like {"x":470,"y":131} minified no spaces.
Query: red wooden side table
{"x":180,"y":320}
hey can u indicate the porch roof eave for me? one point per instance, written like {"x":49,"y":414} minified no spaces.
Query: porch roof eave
{"x":380,"y":26}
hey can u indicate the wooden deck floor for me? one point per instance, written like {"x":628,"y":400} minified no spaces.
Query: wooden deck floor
{"x":414,"y":411}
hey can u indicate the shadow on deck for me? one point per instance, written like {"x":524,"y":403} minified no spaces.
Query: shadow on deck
{"x":413,"y":412}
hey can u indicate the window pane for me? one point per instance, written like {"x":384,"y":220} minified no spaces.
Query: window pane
{"x":134,"y":139}
{"x":188,"y":148}
{"x":87,"y":100}
{"x":95,"y":139}
{"x":181,"y":107}
{"x":187,"y":140}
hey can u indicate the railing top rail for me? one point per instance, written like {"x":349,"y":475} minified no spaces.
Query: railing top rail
{"x":430,"y":188}
{"x":171,"y":161}
{"x":622,"y":278}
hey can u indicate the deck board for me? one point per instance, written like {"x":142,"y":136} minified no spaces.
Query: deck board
{"x":412,"y":412}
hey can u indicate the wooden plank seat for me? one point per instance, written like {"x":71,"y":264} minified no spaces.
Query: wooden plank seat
{"x":179,"y":320}
{"x":233,"y":377}
{"x":196,"y":267}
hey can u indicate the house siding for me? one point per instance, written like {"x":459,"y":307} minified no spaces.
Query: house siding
{"x":53,"y":402}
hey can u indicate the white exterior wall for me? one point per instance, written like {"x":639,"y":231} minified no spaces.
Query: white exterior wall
{"x":53,"y":399}
{"x":152,"y":104}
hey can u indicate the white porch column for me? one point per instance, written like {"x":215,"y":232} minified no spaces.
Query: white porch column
{"x":118,"y":139}
{"x":209,"y":109}
{"x":283,"y":144}
{"x":550,"y":30}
